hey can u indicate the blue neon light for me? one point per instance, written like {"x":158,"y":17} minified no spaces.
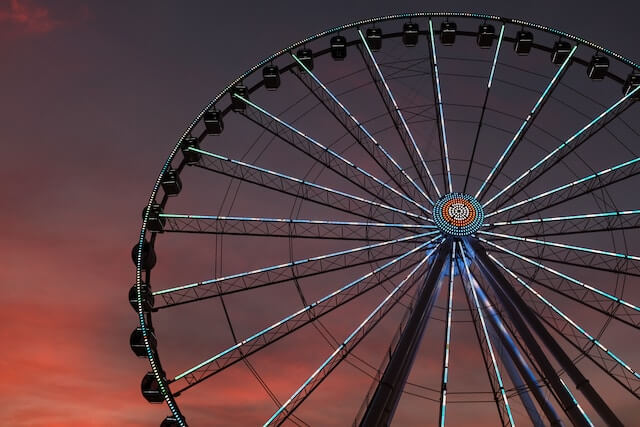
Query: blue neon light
{"x":530,"y":116}
{"x":362,"y":128}
{"x":440,"y":107}
{"x":397,"y":109}
{"x":561,"y":146}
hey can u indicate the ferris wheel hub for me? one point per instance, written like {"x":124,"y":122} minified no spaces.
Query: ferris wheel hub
{"x":458,"y":214}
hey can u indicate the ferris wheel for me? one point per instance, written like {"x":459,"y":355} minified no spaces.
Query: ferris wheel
{"x":415,"y":218}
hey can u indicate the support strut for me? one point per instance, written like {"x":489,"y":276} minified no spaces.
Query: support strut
{"x":523,"y":316}
{"x":513,"y":353}
{"x":519,"y":384}
{"x":385,"y":399}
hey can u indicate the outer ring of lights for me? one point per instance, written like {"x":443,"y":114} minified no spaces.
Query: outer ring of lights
{"x":458,"y":214}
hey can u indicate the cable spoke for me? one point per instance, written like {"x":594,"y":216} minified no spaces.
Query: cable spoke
{"x":573,"y":189}
{"x":435,"y":77}
{"x":558,"y":154}
{"x":381,"y":156}
{"x":289,"y":227}
{"x":591,"y":296}
{"x":597,"y":352}
{"x":296,"y":187}
{"x":280,"y":273}
{"x":519,"y":136}
{"x":484,"y":107}
{"x":447,"y":339}
{"x":396,"y":115}
{"x":344,"y":348}
{"x":296,"y":320}
{"x":485,"y":340}
{"x":328,"y":157}
{"x":573,"y":224}
{"x":562,"y":245}
{"x":577,"y":256}
{"x":577,"y":404}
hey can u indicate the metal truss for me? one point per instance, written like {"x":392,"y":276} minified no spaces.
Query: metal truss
{"x":298,"y":269}
{"x":306,"y":190}
{"x":291,"y":228}
{"x":564,"y":149}
{"x":598,"y":222}
{"x":569,"y":191}
{"x":298,"y":319}
{"x":418,"y":161}
{"x":330,"y":159}
{"x":359,"y":133}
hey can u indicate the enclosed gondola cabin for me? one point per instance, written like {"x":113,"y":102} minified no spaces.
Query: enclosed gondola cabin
{"x":338,"y":47}
{"x":632,"y":82}
{"x":448,"y":33}
{"x":560,"y":52}
{"x":147,"y":255}
{"x":238,"y":92}
{"x":138,"y":346}
{"x":171,"y":182}
{"x":155,"y":222}
{"x":151,"y":389}
{"x":170,"y":421}
{"x":486,"y":34}
{"x":213,"y":121}
{"x":271,"y":77}
{"x":146,"y":297}
{"x":306,"y":57}
{"x":598,"y":67}
{"x":374,"y":38}
{"x":524,"y":42}
{"x":190,"y":156}
{"x":410,"y":32}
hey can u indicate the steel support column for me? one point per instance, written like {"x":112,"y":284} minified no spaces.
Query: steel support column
{"x":518,"y":383}
{"x":523,"y":317}
{"x":385,"y":399}
{"x":499,"y":329}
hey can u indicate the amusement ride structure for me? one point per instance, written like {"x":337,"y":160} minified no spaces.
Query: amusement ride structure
{"x":373,"y":190}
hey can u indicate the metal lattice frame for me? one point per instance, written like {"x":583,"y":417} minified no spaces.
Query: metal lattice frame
{"x":516,"y":270}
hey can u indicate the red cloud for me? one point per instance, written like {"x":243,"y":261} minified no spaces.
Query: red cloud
{"x":28,"y":17}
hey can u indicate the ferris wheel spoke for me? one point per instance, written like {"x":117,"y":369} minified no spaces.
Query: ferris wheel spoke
{"x":592,"y":259}
{"x":524,"y":127}
{"x":358,"y":131}
{"x":280,"y":273}
{"x":437,"y":96}
{"x":289,"y":227}
{"x":447,"y":337}
{"x":297,"y":187}
{"x":564,"y":149}
{"x":584,"y":414}
{"x":484,"y":341}
{"x":572,"y":224}
{"x":484,"y":108}
{"x":571,"y":190}
{"x":618,"y":255}
{"x":298,"y":319}
{"x":572,"y":288}
{"x":345,"y":348}
{"x":587,"y":344}
{"x":329,"y":158}
{"x":397,"y":117}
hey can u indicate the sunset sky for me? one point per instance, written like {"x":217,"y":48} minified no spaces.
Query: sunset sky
{"x":93,"y":97}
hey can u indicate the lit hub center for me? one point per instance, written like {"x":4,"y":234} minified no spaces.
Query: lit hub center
{"x":458,"y":214}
